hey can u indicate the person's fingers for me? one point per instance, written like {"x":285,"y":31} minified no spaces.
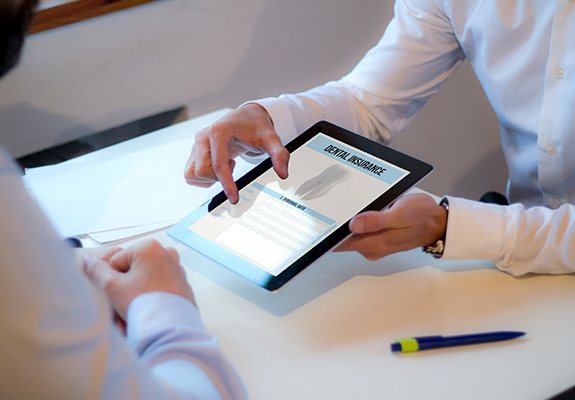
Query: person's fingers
{"x":122,"y":260}
{"x":120,"y":323}
{"x":107,"y":256}
{"x":173,"y":254}
{"x":372,"y":246}
{"x":190,"y":169}
{"x":220,"y":159}
{"x":103,"y":253}
{"x":147,"y":249}
{"x":204,"y":185}
{"x":204,"y":173}
{"x":373,"y":221}
{"x":278,"y":154}
{"x":199,"y":167}
{"x":353,"y":243}
{"x":100,"y":273}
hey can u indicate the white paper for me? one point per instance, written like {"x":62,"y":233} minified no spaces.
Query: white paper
{"x":125,"y":233}
{"x":140,"y":188}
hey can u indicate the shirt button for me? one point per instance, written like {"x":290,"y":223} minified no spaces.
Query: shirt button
{"x":550,"y":149}
{"x":557,"y":203}
{"x":558,"y":73}
{"x":554,"y":202}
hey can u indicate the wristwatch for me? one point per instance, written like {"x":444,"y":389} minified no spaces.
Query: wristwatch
{"x":436,"y":249}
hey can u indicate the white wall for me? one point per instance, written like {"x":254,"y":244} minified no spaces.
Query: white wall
{"x":207,"y":54}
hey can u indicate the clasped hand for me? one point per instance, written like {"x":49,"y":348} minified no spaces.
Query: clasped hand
{"x":124,"y":274}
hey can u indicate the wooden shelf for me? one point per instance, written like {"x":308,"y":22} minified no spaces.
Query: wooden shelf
{"x":76,"y":11}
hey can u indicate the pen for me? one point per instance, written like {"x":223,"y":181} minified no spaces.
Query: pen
{"x":412,"y":344}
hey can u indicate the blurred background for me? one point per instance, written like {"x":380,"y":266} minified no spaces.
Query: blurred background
{"x":147,"y":64}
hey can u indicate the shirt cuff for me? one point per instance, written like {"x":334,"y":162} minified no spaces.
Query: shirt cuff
{"x":151,"y":314}
{"x":475,"y":231}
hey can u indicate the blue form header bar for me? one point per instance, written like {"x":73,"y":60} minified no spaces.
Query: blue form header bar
{"x":352,"y":157}
{"x":305,"y":210}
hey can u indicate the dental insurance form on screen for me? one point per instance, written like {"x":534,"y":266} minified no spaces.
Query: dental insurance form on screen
{"x":276,"y":221}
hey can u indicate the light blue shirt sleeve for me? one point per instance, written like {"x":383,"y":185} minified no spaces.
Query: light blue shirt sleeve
{"x":57,"y":339}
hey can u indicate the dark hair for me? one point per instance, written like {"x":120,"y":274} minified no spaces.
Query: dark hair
{"x":15,"y":17}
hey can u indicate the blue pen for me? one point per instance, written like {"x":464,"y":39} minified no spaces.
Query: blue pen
{"x":412,"y":344}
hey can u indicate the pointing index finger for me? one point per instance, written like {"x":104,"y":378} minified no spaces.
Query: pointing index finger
{"x":221,"y":165}
{"x":278,"y":154}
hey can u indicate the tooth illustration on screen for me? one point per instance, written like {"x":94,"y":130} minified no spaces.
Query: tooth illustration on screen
{"x":321,"y":184}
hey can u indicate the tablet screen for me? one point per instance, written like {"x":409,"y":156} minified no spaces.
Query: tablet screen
{"x":277,"y":221}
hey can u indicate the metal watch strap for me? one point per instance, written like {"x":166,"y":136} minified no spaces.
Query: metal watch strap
{"x":436,"y":249}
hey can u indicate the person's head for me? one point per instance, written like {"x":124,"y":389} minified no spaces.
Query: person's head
{"x":15,"y":16}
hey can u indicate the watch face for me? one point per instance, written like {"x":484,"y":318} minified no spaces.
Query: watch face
{"x":436,"y":249}
{"x":444,"y":203}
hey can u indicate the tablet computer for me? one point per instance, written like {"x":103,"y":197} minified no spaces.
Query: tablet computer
{"x":279,"y":227}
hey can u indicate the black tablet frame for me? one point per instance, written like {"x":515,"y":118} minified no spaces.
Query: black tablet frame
{"x":417,"y":170}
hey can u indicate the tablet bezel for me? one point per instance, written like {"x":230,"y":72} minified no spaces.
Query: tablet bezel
{"x":417,"y":170}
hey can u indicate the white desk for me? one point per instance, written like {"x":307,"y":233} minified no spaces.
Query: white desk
{"x":326,"y":334}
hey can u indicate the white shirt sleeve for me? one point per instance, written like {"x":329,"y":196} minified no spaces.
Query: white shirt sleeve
{"x":57,"y":339}
{"x":396,"y":78}
{"x":515,"y":239}
{"x":386,"y":89}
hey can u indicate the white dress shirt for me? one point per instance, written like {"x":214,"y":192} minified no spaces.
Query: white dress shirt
{"x":523,"y":53}
{"x":57,"y":340}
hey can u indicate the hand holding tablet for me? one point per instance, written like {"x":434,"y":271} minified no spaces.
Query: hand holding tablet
{"x":414,"y":220}
{"x":278,"y":227}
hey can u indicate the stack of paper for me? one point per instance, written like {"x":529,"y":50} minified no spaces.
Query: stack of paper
{"x":112,"y":199}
